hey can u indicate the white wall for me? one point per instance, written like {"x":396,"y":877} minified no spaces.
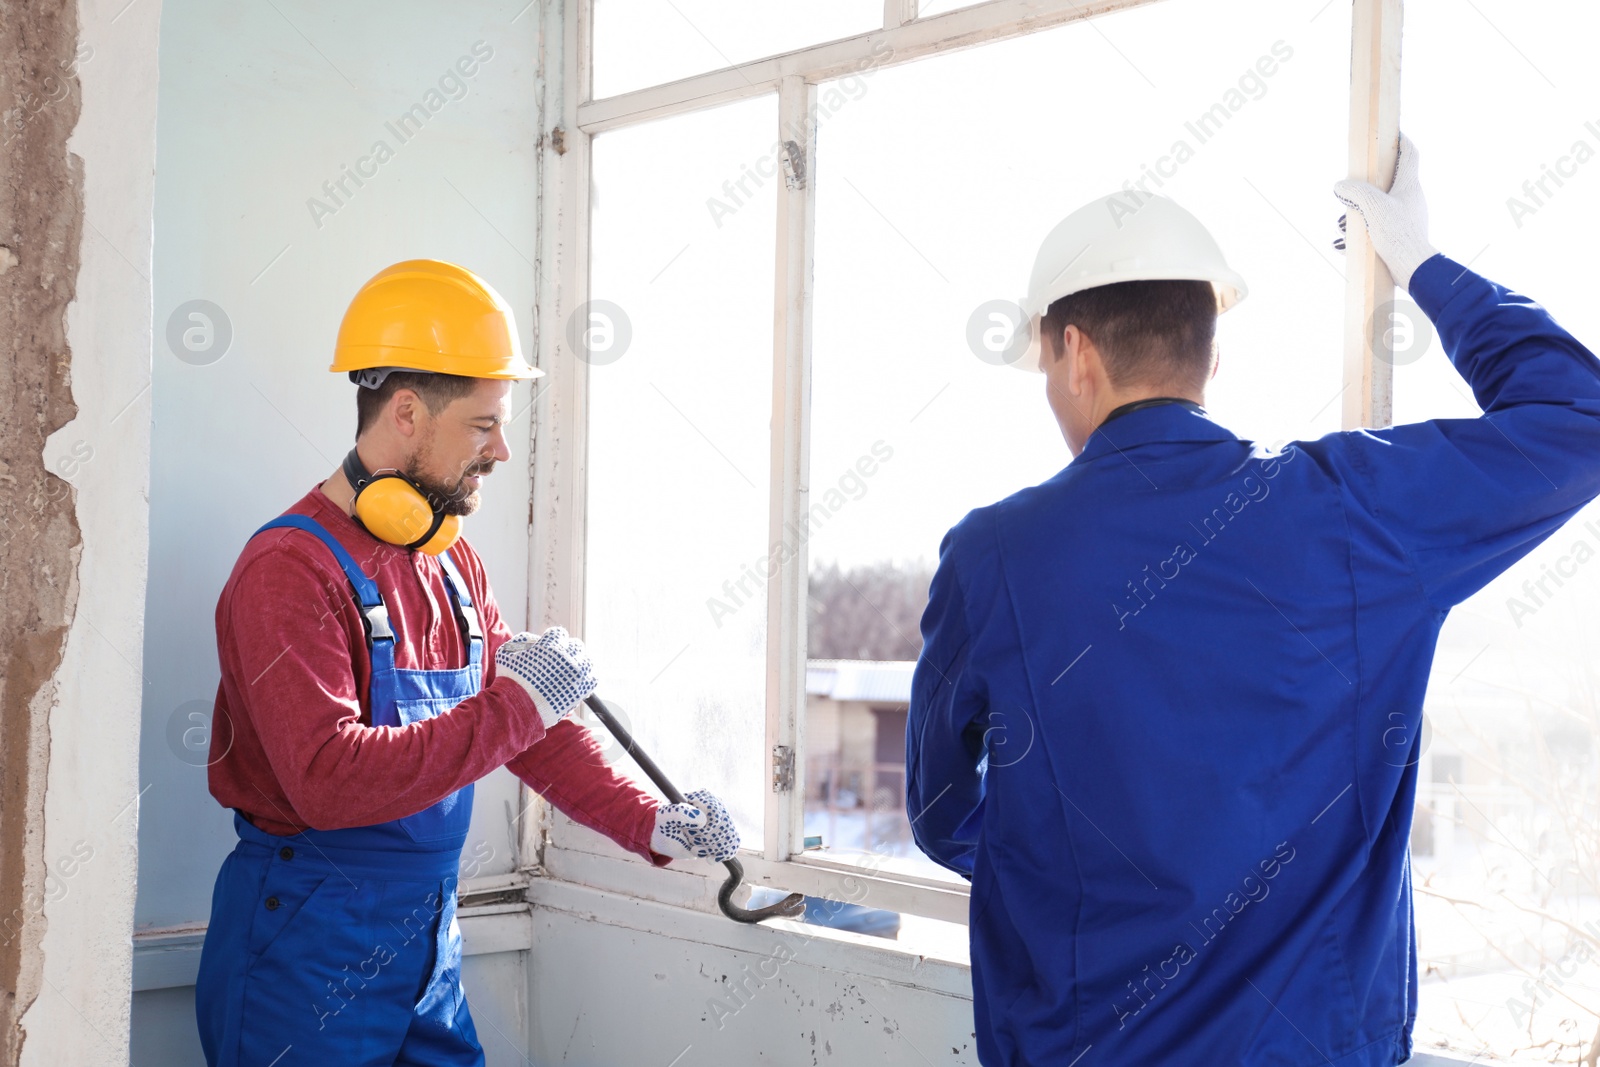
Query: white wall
{"x":617,"y":981}
{"x":81,"y":1012}
{"x":260,"y":105}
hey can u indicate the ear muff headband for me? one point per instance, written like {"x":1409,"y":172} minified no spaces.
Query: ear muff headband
{"x":393,"y":508}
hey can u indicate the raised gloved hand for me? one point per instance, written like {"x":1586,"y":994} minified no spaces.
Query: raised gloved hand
{"x":1397,"y":221}
{"x":553,"y":667}
{"x":698,"y":828}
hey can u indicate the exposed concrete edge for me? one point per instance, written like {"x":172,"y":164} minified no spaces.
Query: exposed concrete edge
{"x":41,"y":223}
{"x":90,"y":810}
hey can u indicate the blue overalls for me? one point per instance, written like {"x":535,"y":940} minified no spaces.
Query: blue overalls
{"x":341,"y":946}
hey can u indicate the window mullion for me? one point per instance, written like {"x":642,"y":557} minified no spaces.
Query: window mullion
{"x":558,"y":419}
{"x":1369,"y":288}
{"x":791,"y":419}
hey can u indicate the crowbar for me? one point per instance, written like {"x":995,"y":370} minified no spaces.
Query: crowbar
{"x":792,"y":906}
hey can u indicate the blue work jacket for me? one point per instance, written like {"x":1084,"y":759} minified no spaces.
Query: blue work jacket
{"x":1168,"y":708}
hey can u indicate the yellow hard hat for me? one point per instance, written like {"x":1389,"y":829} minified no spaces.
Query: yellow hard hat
{"x":428,"y":315}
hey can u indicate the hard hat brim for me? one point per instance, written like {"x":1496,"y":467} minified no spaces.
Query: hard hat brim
{"x":364,"y":357}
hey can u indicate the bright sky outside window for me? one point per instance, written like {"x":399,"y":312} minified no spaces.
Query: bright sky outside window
{"x":931,"y":204}
{"x":639,"y":43}
{"x":1503,"y":847}
{"x":932,"y":201}
{"x":680,"y":381}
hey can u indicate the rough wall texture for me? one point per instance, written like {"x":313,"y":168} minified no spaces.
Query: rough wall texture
{"x":41,"y":213}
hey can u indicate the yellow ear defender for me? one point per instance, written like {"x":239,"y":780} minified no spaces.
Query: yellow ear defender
{"x":393,"y":508}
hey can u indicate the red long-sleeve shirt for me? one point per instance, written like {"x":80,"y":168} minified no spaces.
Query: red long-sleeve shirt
{"x":292,"y":743}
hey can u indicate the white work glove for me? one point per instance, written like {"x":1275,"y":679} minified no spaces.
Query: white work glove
{"x":553,"y":667}
{"x":698,"y":828}
{"x":1397,"y":221}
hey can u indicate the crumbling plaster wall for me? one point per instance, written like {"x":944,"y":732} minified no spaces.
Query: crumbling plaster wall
{"x":77,"y":155}
{"x":40,"y":544}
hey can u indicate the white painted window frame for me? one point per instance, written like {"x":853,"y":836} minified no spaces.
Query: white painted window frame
{"x":559,"y":446}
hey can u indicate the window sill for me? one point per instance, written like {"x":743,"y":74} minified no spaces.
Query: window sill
{"x":586,"y":858}
{"x":872,"y":958}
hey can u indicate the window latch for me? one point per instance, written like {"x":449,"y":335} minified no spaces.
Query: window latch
{"x":794,"y":165}
{"x":782,"y":768}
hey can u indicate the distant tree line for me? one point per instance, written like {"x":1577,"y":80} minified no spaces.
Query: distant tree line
{"x":867,"y":612}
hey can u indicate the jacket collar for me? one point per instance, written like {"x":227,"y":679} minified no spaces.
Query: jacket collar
{"x":1163,"y":423}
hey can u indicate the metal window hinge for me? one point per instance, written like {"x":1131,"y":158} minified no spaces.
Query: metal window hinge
{"x":782,"y":768}
{"x":794,"y":165}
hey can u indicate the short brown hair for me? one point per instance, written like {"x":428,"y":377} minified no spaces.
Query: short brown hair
{"x":436,"y":391}
{"x":1149,"y":333}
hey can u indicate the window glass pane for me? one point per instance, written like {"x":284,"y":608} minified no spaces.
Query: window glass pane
{"x":639,"y":43}
{"x":680,"y":394}
{"x":936,"y":182}
{"x":1508,"y":888}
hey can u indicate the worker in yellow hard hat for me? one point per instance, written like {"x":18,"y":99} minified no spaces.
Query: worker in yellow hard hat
{"x":357,"y":724}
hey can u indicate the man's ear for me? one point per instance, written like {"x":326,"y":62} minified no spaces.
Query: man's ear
{"x":1076,"y":352}
{"x":404,"y":408}
{"x":1216,"y":360}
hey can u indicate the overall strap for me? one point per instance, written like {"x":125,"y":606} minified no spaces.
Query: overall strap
{"x":466,"y":614}
{"x":372,"y":606}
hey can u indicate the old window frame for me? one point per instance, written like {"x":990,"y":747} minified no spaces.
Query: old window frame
{"x":571,"y":119}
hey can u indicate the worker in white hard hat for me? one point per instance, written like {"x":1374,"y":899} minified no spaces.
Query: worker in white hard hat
{"x":1167,"y":710}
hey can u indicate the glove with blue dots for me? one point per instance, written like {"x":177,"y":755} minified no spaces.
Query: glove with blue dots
{"x":553,"y":667}
{"x":699,"y":828}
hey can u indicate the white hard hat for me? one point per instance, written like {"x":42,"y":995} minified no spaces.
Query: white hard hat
{"x":1124,"y":237}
